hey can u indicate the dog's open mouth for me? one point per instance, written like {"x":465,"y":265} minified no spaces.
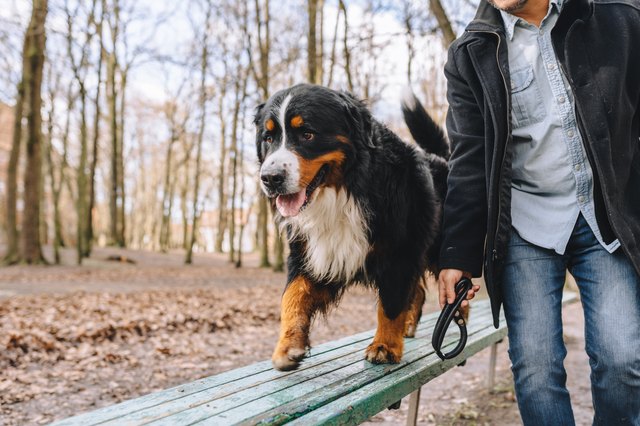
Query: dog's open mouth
{"x":292,"y":204}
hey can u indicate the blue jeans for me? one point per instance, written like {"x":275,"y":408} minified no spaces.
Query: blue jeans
{"x":610,"y":293}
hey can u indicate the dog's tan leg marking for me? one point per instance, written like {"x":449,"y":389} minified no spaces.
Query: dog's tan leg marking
{"x":300,"y":301}
{"x":388,"y":342}
{"x":415,"y":310}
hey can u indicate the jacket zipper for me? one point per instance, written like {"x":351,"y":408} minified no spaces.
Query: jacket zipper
{"x":494,"y":254}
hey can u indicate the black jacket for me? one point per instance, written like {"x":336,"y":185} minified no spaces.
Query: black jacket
{"x":597,"y":43}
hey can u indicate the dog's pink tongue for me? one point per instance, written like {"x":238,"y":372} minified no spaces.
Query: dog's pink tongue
{"x":290,"y":204}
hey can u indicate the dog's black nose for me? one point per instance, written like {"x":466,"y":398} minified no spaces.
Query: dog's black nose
{"x":273,"y":180}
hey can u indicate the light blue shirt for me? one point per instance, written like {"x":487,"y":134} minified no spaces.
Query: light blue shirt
{"x":552,"y":180}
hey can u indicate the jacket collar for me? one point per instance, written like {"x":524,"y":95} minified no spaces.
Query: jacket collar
{"x":488,"y":18}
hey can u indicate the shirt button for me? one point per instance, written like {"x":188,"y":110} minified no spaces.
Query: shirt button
{"x":581,"y":198}
{"x":577,"y":167}
{"x":561,"y":99}
{"x":570,"y":133}
{"x":551,"y":66}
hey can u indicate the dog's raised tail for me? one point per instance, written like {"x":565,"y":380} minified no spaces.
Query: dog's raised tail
{"x":424,"y":130}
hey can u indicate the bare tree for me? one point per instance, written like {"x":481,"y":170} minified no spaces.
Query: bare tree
{"x":79,"y":66}
{"x":334,"y":42}
{"x":57,"y":175}
{"x":346,"y":50}
{"x":34,"y":54}
{"x":204,"y":61}
{"x":262,"y":20}
{"x":96,"y":136}
{"x":222,"y":211}
{"x":13,"y":254}
{"x":312,"y":42}
{"x":448,"y":35}
{"x":240,"y":96}
{"x":176,"y":119}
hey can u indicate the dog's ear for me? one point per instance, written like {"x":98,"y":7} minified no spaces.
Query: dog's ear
{"x":257,"y":120}
{"x":257,"y":115}
{"x":360,"y":120}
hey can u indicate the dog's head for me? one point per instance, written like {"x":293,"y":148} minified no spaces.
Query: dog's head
{"x":307,"y":138}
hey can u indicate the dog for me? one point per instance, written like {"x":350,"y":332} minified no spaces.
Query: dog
{"x":358,"y":204}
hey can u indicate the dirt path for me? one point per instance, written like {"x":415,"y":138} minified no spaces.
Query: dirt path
{"x":73,"y":339}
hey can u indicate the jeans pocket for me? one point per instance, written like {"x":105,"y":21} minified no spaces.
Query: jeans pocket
{"x":527,"y":106}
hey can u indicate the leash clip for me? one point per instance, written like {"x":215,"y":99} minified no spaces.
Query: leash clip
{"x":452,"y":312}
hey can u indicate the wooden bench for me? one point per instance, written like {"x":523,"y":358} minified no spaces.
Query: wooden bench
{"x":334,"y":385}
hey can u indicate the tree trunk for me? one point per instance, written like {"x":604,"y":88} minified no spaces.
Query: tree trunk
{"x":203,"y":103}
{"x":81,"y":202}
{"x":183,"y":207}
{"x":222,"y":210}
{"x":167,"y":193}
{"x":334,"y":42}
{"x":35,"y":41}
{"x":113,"y":130}
{"x":13,"y":254}
{"x":243,"y":218}
{"x":312,"y":10}
{"x":241,"y":94}
{"x":408,"y":26}
{"x":278,"y":249}
{"x":112,"y":105}
{"x":320,"y":42}
{"x":263,"y":226}
{"x":121,"y":237}
{"x":57,"y":184}
{"x":448,"y":36}
{"x":347,"y":54}
{"x":264,"y":44}
{"x":96,"y":138}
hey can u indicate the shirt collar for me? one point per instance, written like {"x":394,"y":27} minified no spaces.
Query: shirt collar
{"x":510,"y":20}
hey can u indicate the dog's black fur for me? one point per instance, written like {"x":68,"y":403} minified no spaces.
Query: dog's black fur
{"x":398,"y":187}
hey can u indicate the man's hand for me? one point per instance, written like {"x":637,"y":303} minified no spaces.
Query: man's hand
{"x":446,"y":286}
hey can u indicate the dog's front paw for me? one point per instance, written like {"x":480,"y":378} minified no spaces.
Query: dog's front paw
{"x":381,"y":353}
{"x":287,"y":357}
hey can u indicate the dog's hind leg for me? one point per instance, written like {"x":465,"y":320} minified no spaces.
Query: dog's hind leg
{"x":415,"y":310}
{"x":300,"y":301}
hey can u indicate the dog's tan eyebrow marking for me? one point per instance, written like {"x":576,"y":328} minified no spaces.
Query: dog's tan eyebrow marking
{"x":270,"y":125}
{"x":343,"y":139}
{"x":297,"y":122}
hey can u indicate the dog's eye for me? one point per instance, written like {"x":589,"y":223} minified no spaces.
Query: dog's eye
{"x":268,"y":139}
{"x":308,"y":136}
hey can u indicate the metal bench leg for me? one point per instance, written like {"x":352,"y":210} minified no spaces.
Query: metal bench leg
{"x":414,"y":403}
{"x":491,"y":379}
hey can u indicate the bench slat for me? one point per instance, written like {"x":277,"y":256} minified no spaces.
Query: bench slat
{"x":365,"y":402}
{"x":250,"y":375}
{"x":341,"y":375}
{"x":333,"y":385}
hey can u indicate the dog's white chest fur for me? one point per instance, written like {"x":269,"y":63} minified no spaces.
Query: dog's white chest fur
{"x":336,"y":234}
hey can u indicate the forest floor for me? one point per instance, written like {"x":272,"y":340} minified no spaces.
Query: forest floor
{"x":73,"y":339}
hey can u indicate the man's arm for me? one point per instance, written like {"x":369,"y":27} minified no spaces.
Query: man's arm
{"x":465,"y":207}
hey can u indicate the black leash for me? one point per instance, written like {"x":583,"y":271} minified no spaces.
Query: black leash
{"x":451,"y":312}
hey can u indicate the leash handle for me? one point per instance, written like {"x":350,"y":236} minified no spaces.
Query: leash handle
{"x":451,"y":312}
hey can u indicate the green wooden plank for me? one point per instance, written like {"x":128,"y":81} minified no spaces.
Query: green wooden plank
{"x":317,"y":356}
{"x":264,"y":411}
{"x":255,"y":386}
{"x":328,"y":384}
{"x":110,"y":413}
{"x":365,"y":402}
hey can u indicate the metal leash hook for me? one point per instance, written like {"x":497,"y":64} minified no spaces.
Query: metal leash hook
{"x":451,"y":312}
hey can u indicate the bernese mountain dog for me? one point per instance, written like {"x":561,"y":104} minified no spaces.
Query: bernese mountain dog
{"x":358,"y":204}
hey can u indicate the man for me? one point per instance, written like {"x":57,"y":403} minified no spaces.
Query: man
{"x":544,"y":123}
